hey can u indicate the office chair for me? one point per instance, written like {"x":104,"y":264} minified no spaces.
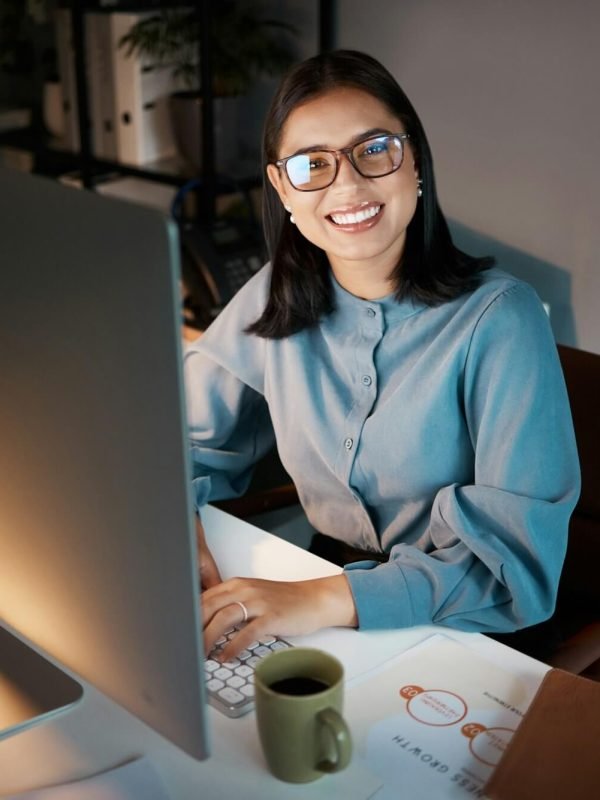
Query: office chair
{"x":578,"y":605}
{"x":271,"y":489}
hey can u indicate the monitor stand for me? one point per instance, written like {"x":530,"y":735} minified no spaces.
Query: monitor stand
{"x":32,"y":689}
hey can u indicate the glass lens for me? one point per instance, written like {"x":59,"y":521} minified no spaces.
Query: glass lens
{"x":313,"y":170}
{"x":378,"y":156}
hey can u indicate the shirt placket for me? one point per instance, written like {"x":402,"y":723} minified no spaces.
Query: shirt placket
{"x":365,"y":393}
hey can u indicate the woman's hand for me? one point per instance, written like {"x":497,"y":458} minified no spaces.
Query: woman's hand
{"x":274,"y":607}
{"x":207,"y":567}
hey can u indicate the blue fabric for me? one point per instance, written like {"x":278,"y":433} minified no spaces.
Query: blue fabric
{"x":441,"y":435}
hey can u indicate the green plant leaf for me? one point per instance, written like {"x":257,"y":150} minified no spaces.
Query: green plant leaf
{"x":244,"y":45}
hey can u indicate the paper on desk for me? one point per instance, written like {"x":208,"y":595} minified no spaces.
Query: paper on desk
{"x":135,"y":781}
{"x":436,"y":722}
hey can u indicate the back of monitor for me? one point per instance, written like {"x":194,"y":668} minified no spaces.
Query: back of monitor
{"x":97,"y":561}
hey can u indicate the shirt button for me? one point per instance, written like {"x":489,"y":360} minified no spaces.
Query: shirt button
{"x":348,"y":443}
{"x":366,"y":379}
{"x":371,"y":312}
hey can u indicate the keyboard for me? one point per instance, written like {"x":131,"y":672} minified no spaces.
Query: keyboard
{"x":230,"y":684}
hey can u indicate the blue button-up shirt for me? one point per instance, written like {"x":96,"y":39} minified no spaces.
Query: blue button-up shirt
{"x":441,"y":435}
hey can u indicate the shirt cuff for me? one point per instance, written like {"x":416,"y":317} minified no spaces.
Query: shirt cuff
{"x":201,"y":490}
{"x":384,"y":597}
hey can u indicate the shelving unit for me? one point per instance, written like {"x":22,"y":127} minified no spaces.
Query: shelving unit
{"x":51,"y":160}
{"x":88,"y":163}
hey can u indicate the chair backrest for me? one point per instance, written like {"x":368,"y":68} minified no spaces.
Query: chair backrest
{"x":582,"y":376}
{"x":580,"y":582}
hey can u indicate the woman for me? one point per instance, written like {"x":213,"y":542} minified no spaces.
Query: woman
{"x":414,"y":392}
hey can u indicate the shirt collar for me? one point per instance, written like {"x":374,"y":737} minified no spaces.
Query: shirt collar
{"x":392,"y":309}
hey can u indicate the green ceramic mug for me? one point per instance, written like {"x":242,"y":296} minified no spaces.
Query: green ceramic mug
{"x":299,"y":697}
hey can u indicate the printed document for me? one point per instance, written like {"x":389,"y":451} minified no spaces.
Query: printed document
{"x":436,"y":723}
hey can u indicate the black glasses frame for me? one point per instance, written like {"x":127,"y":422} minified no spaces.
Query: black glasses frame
{"x":345,"y":151}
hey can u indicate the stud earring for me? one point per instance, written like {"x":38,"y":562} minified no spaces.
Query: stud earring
{"x":289,"y":209}
{"x":419,"y":187}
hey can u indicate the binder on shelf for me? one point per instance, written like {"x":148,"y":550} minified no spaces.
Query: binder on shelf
{"x":128,"y":97}
{"x":66,"y":66}
{"x":141,"y":91}
{"x":101,"y":85}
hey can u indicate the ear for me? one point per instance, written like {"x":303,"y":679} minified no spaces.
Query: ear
{"x":416,"y":166}
{"x":415,"y":159}
{"x":274,"y":175}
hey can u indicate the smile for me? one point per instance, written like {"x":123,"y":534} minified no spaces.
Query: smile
{"x":356,"y":220}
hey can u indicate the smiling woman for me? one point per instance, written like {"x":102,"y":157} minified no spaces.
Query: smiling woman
{"x":414,"y":392}
{"x":367,"y":187}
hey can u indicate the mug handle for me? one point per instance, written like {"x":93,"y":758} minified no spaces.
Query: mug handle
{"x":342,"y":740}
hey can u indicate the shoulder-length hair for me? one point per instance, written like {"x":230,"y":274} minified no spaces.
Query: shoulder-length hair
{"x":431,"y":269}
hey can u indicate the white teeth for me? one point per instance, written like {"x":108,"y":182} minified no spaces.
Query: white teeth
{"x":359,"y":216}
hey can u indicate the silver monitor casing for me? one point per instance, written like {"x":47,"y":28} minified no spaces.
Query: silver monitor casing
{"x":97,"y":547}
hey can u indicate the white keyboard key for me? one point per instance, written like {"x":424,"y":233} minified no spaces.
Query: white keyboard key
{"x":221,"y":640}
{"x":223,"y":674}
{"x":230,"y":684}
{"x":280,"y":645}
{"x":231,"y":696}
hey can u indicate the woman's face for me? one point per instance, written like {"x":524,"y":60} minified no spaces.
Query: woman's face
{"x":335,"y":120}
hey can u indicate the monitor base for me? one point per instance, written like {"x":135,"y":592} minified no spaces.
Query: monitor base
{"x":32,"y":689}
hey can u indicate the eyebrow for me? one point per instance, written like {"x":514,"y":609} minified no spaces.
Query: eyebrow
{"x":355,"y":140}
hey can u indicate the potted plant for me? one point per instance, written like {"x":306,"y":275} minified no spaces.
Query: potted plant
{"x":245,"y":45}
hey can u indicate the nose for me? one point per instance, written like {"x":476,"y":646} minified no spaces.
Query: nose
{"x":346,"y":174}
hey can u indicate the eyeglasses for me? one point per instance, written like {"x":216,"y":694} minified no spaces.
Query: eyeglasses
{"x":374,"y":157}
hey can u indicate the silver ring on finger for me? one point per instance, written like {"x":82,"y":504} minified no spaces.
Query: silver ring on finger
{"x":244,"y":609}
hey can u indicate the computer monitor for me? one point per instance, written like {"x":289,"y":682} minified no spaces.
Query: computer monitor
{"x":97,"y":545}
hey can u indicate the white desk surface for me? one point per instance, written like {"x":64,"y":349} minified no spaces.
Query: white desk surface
{"x":97,"y":734}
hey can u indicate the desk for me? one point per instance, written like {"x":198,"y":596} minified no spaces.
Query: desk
{"x":97,"y":734}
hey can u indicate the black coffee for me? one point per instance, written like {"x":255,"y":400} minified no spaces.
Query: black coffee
{"x":298,"y":686}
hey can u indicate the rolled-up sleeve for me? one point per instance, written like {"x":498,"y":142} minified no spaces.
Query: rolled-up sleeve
{"x":229,"y":422}
{"x":229,"y":429}
{"x":497,"y":544}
